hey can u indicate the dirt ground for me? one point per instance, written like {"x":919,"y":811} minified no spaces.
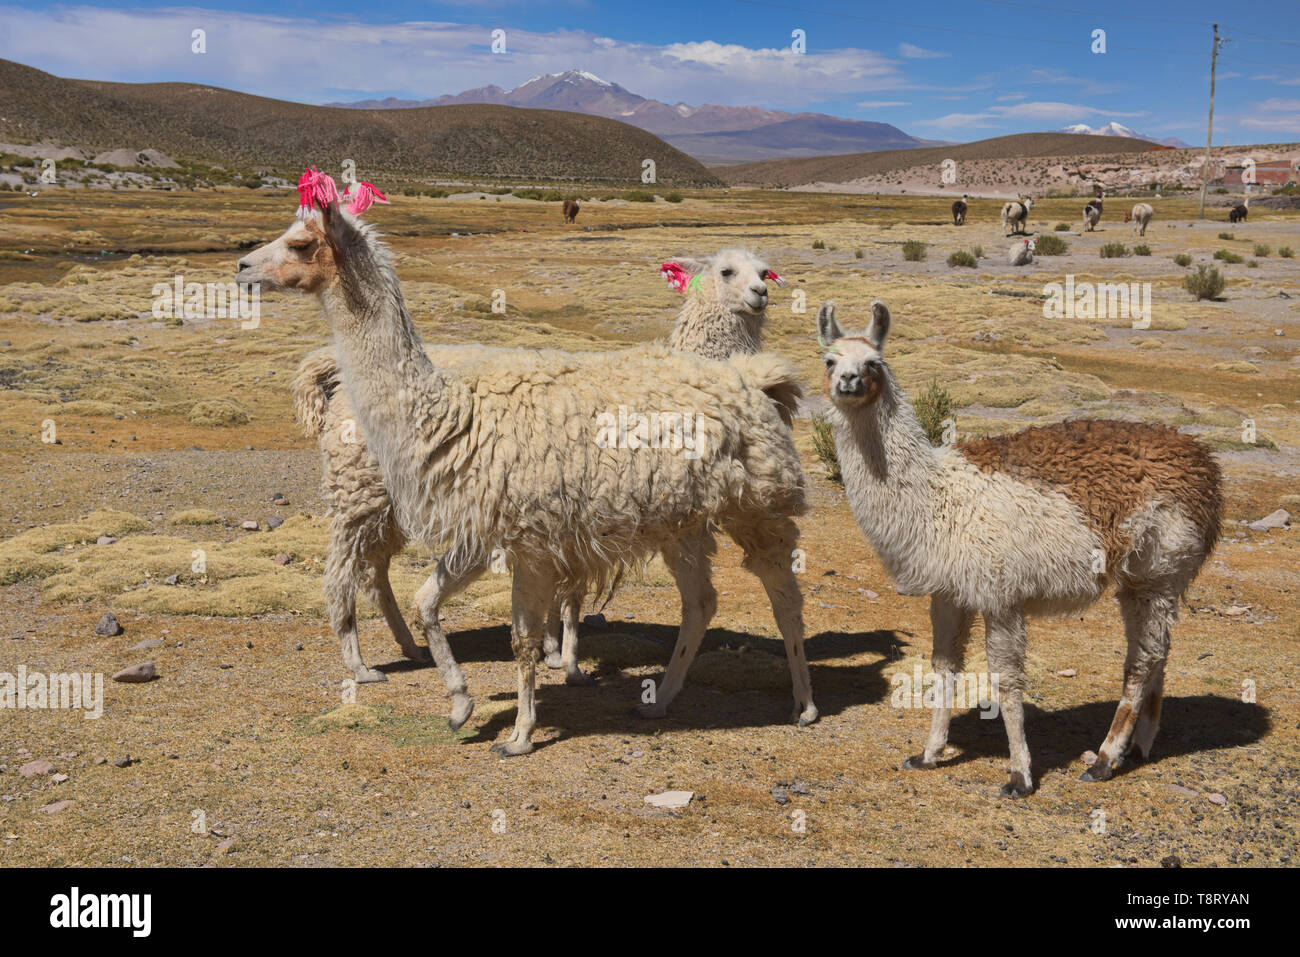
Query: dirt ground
{"x":171,"y":433}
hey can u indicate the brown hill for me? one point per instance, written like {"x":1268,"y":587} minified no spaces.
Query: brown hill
{"x":842,"y":169}
{"x":213,"y":125}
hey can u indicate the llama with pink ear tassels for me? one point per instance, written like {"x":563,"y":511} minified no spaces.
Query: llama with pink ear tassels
{"x":726,"y":303}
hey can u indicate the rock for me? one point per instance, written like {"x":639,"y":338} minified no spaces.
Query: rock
{"x":1068,"y":673}
{"x":799,"y":788}
{"x":1182,"y":791}
{"x":137,"y":674}
{"x":595,"y":621}
{"x":100,"y":761}
{"x":58,"y":779}
{"x":109,"y":626}
{"x":147,"y":643}
{"x":249,"y":526}
{"x":1216,"y":798}
{"x":869,"y":594}
{"x":671,"y":800}
{"x":780,"y":796}
{"x":123,"y":762}
{"x":1171,"y":861}
{"x":1236,"y":611}
{"x":1089,"y":758}
{"x":282,"y":559}
{"x":33,"y":768}
{"x":1279,"y":519}
{"x":279,"y":499}
{"x":274,"y":522}
{"x":54,"y":808}
{"x":105,"y":540}
{"x":171,"y":579}
{"x":225,"y":846}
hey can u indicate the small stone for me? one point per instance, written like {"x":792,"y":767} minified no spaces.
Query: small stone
{"x":528,"y":806}
{"x":55,"y":808}
{"x":105,"y":540}
{"x":1171,"y":861}
{"x":780,"y":796}
{"x":1089,"y":758}
{"x":1216,"y":798}
{"x":1183,"y":791}
{"x":671,"y":800}
{"x":282,"y":559}
{"x":1279,"y":519}
{"x":799,"y":788}
{"x":146,"y":644}
{"x":137,"y":674}
{"x":100,"y":761}
{"x":123,"y":762}
{"x":1068,"y":673}
{"x":1236,"y":611}
{"x":58,"y":778}
{"x":249,"y":526}
{"x":279,"y":499}
{"x":109,"y":626}
{"x":225,"y":846}
{"x":33,"y":768}
{"x":171,"y":579}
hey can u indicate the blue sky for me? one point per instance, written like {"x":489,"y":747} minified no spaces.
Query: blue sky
{"x":940,"y":69}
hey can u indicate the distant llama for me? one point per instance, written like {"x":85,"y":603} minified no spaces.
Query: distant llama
{"x":1141,"y":217}
{"x":516,"y":456}
{"x":1016,"y":215}
{"x":1036,"y":523}
{"x":959,"y":210}
{"x":1238,"y":213}
{"x":570,"y":210}
{"x":1092,"y":212}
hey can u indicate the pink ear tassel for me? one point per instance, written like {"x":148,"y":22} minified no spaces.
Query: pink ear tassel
{"x":367,"y":196}
{"x":771,"y":274}
{"x":315,"y":189}
{"x":677,"y":277}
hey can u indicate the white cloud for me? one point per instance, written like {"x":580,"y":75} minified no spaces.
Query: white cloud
{"x":282,"y":57}
{"x":919,"y":53}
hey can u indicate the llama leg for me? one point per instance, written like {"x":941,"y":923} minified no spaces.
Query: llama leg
{"x":381,"y":593}
{"x":1005,"y":645}
{"x":530,"y":598}
{"x":772,"y":565}
{"x":689,"y":560}
{"x":551,"y":639}
{"x":439,"y":586}
{"x":573,"y":675}
{"x":1148,"y":618}
{"x":951,"y":626}
{"x":343,"y":573}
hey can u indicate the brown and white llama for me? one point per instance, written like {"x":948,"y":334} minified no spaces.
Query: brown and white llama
{"x":1036,"y":523}
{"x":959,"y":208}
{"x":1015,"y":215}
{"x":519,"y":455}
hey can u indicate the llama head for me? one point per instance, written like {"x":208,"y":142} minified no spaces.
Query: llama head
{"x":1127,"y":217}
{"x":738,"y":277}
{"x":306,"y":257}
{"x":855,"y":365}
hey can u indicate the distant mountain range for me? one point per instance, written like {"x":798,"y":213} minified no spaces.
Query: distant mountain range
{"x":711,"y":133}
{"x":1119,"y":129}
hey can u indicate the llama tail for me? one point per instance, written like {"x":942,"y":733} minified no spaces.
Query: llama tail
{"x":777,"y":378}
{"x":313,"y":386}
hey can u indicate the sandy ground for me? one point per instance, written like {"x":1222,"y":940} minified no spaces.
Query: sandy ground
{"x":243,"y":751}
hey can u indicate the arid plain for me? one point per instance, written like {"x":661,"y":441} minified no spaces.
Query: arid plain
{"x":171,"y":434}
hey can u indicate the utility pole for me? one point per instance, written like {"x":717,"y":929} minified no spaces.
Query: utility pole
{"x":1209,"y":136}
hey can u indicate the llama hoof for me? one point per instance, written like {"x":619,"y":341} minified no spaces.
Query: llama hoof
{"x":656,"y":710}
{"x":579,"y":679}
{"x":368,"y":676}
{"x":1101,"y":771}
{"x":917,"y":762}
{"x":1017,"y":787}
{"x":462,"y":706}
{"x":553,"y":660}
{"x":805,"y":717}
{"x":510,"y":748}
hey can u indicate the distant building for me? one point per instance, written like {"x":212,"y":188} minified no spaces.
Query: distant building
{"x":1271,"y":173}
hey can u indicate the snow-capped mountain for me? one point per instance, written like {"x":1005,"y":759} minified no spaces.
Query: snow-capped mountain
{"x":712,"y":133}
{"x":1119,"y":129}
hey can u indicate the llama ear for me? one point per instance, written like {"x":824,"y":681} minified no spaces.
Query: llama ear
{"x":692,"y":266}
{"x":879,"y":328}
{"x":828,"y":330}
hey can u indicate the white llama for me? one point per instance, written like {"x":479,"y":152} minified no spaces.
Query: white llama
{"x":1035,"y":523}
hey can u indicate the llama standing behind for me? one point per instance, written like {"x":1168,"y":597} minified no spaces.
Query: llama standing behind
{"x":959,"y":210}
{"x":1238,"y":213}
{"x":1092,"y":213}
{"x":570,"y":210}
{"x":1029,"y":524}
{"x":1015,"y":215}
{"x":1141,"y":216}
{"x":517,"y":457}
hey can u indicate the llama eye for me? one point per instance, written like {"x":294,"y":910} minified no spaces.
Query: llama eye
{"x":830,"y":363}
{"x":303,"y":244}
{"x":727,"y":272}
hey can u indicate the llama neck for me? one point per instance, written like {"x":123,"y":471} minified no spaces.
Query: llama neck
{"x":706,"y":329}
{"x":895,"y":483}
{"x":402,"y":401}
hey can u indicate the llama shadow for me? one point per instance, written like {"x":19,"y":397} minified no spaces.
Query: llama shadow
{"x":609,"y":707}
{"x":1056,"y":739}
